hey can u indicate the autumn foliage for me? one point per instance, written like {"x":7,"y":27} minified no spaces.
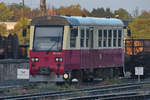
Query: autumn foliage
{"x":73,"y":10}
{"x":139,"y":26}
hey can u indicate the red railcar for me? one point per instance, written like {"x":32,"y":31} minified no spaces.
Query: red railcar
{"x":64,"y":48}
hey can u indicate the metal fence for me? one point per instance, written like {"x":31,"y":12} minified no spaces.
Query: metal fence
{"x":8,"y":68}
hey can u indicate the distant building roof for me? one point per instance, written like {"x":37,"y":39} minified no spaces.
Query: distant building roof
{"x":9,"y":25}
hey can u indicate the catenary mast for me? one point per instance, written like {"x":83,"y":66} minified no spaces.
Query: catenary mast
{"x":43,"y":6}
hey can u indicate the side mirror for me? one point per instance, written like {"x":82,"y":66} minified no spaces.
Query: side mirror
{"x":24,"y":32}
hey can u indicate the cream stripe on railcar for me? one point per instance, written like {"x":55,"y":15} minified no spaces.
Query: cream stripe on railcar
{"x":95,"y":37}
{"x":66,"y":37}
{"x":31,"y":37}
{"x":78,"y":39}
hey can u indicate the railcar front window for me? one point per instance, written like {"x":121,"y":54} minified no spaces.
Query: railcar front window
{"x":48,"y":38}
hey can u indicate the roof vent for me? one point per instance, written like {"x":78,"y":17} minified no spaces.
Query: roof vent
{"x":68,"y":15}
{"x":108,"y":17}
{"x":83,"y":15}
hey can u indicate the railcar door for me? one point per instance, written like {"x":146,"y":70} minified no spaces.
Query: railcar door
{"x":91,"y":46}
{"x":86,"y":52}
{"x":86,"y":45}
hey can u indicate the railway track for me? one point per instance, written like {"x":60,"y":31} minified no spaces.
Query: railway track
{"x":128,"y":95}
{"x":7,"y":85}
{"x":105,"y":92}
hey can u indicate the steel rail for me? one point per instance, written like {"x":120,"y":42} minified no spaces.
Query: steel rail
{"x":87,"y":90}
{"x":113,"y":96}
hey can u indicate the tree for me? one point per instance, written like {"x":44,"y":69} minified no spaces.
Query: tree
{"x":101,"y":12}
{"x":3,"y":30}
{"x":73,"y":10}
{"x":145,"y":15}
{"x":108,"y":13}
{"x":140,"y":27}
{"x":22,"y":23}
{"x":36,"y":12}
{"x":5,"y":13}
{"x":17,"y":8}
{"x":123,"y":14}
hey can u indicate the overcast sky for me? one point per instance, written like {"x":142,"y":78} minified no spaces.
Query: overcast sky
{"x":129,"y":5}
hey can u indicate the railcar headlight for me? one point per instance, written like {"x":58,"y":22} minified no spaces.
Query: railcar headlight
{"x":36,"y":59}
{"x":32,"y":59}
{"x":66,"y":76}
{"x":60,"y":59}
{"x":57,"y":59}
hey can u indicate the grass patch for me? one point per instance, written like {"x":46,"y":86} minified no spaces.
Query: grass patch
{"x":111,"y":82}
{"x":51,"y":87}
{"x":13,"y":92}
{"x":146,"y":86}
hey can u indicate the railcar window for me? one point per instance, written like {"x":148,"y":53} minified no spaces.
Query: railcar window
{"x":119,"y":38}
{"x":100,"y":38}
{"x":119,"y":33}
{"x":87,"y":37}
{"x":82,"y":38}
{"x":115,"y":33}
{"x":109,"y":38}
{"x":114,"y":37}
{"x":73,"y":35}
{"x":119,"y":42}
{"x":105,"y":38}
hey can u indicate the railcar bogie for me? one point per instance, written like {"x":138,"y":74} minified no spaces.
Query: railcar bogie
{"x":108,"y":73}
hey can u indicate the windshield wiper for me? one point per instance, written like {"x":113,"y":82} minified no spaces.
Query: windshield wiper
{"x":51,"y":47}
{"x":57,"y":41}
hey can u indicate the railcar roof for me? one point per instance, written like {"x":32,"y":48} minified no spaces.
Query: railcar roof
{"x":94,"y":21}
{"x":77,"y":21}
